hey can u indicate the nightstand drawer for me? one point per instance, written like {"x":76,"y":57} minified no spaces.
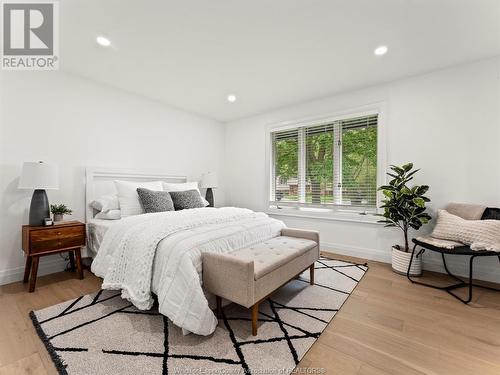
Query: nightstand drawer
{"x":57,"y":238}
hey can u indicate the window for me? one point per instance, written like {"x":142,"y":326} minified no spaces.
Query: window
{"x":326,"y":164}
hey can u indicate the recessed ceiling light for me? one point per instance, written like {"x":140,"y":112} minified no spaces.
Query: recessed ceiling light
{"x":231,"y":98}
{"x":380,"y":50}
{"x":103,"y":41}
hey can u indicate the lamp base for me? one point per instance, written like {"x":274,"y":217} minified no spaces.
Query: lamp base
{"x":39,"y":208}
{"x":209,"y":196}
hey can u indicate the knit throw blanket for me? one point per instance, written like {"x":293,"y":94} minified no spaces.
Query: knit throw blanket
{"x":126,"y":257}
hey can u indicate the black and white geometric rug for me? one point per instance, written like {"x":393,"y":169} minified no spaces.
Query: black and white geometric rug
{"x":103,"y":334}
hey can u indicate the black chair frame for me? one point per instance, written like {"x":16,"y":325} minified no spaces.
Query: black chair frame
{"x":465,"y":250}
{"x":490,"y":213}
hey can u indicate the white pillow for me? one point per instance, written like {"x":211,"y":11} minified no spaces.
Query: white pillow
{"x":128,"y":197}
{"x":479,"y":234}
{"x":109,"y":215}
{"x":180,"y":186}
{"x":106,"y":203}
{"x":183,"y":186}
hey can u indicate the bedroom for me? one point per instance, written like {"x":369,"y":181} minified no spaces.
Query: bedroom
{"x":292,"y":109}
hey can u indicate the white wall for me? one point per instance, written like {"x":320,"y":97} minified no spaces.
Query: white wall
{"x":446,"y":122}
{"x":59,"y":118}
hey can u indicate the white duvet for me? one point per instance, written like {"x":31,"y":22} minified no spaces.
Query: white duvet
{"x":160,"y":253}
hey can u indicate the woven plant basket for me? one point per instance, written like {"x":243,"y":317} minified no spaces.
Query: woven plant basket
{"x":401,"y":260}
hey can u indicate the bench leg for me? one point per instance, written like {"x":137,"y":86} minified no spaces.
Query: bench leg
{"x":218,"y":311}
{"x":255,"y":317}
{"x":311,"y":274}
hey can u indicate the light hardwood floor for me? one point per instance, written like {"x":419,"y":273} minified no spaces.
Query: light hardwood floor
{"x":387,"y":326}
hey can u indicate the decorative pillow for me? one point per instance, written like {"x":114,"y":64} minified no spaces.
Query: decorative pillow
{"x":128,"y":197}
{"x":106,"y":203}
{"x":187,"y":199}
{"x":183,"y":186}
{"x":479,"y":234}
{"x":155,"y":201}
{"x":109,"y":215}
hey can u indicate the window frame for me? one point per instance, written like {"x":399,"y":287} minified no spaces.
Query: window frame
{"x":326,"y":211}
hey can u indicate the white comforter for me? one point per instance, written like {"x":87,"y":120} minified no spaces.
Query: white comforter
{"x":161,"y":253}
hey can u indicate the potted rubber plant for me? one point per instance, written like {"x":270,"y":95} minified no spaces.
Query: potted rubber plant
{"x":404,"y":208}
{"x":59,"y":210}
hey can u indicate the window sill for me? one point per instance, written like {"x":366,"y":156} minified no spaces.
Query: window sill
{"x":330,"y":216}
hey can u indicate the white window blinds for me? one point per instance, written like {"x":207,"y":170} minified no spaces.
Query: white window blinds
{"x":319,"y":164}
{"x":358,"y":147}
{"x":285,"y":184}
{"x":333,"y":163}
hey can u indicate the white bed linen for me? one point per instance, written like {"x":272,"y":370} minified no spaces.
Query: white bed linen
{"x":161,"y":253}
{"x":96,"y":229}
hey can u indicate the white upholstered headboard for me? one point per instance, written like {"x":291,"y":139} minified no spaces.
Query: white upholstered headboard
{"x":99,"y":182}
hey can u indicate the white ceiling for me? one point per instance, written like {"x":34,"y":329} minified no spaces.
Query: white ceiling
{"x":192,"y":53}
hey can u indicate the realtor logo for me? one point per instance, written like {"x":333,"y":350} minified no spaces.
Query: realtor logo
{"x":30,"y":35}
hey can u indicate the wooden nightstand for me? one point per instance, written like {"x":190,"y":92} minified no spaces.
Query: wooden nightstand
{"x":41,"y":241}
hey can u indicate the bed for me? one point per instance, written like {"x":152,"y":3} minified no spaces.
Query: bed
{"x":159,"y":255}
{"x":96,"y":229}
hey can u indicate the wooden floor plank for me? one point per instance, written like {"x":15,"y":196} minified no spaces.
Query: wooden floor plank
{"x":329,"y":360}
{"x":28,"y":365}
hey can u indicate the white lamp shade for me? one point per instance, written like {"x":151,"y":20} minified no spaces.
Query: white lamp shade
{"x":209,"y":180}
{"x":39,"y":175}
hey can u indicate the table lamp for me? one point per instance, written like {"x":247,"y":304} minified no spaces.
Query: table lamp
{"x":39,"y":176}
{"x":209,"y":181}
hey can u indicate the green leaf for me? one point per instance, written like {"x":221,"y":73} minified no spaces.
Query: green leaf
{"x":423,"y":220}
{"x":415,"y":226}
{"x":422,"y":189}
{"x":419,"y":202}
{"x":407,"y":167}
{"x":397,"y":169}
{"x":386,"y":187}
{"x":412,"y":173}
{"x":406,"y":191}
{"x":425,"y":216}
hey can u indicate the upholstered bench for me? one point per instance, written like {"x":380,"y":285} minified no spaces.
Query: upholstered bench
{"x":248,"y":276}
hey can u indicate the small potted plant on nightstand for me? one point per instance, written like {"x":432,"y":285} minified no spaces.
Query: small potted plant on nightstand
{"x":59,"y":210}
{"x":404,"y":208}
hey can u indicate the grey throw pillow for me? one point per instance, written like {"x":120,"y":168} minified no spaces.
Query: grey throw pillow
{"x":187,"y":199}
{"x":155,"y":201}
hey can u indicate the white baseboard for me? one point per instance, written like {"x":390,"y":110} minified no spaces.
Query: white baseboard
{"x":359,"y":252}
{"x":45,"y":267}
{"x":487,"y":270}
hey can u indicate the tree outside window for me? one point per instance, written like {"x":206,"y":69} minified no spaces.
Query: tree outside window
{"x":329,"y":164}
